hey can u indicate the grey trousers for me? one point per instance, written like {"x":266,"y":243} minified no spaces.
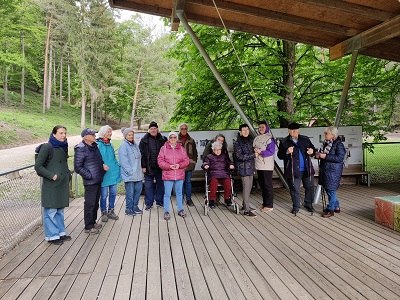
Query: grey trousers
{"x":247,"y":184}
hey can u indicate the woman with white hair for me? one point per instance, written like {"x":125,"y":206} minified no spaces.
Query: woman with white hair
{"x":218,"y":164}
{"x":331,"y":156}
{"x":111,"y":178}
{"x":131,"y":171}
{"x":173,"y":161}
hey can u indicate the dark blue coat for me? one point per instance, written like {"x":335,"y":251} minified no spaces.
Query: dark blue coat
{"x":243,"y":156}
{"x":331,"y":168}
{"x":88,"y":163}
{"x":303,"y":143}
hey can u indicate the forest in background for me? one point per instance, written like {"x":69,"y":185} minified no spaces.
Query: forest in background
{"x":76,"y":53}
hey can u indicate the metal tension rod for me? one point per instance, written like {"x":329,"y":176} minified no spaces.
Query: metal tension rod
{"x":346,"y":87}
{"x":222,"y":82}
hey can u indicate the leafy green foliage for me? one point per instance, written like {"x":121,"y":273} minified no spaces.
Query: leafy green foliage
{"x":318,"y":83}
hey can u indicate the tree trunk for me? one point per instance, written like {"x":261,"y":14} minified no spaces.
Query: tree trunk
{"x":134,"y":102}
{"x":93,"y":97}
{"x":83,"y":108}
{"x":49,"y":77}
{"x":61,"y":79}
{"x":23,"y":69}
{"x":54,"y":77}
{"x":46,"y":63}
{"x":5,"y":85}
{"x":287,"y":89}
{"x":69,"y":84}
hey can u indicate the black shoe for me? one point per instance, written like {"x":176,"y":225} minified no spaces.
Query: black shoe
{"x":148,"y":207}
{"x":189,"y":203}
{"x":337,"y":210}
{"x":228,"y":202}
{"x":294,"y":211}
{"x":56,"y":242}
{"x":309,"y":209}
{"x":249,"y":213}
{"x":65,"y":238}
{"x":211,"y":204}
{"x":160,"y":204}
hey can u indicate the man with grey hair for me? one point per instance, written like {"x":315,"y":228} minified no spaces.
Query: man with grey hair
{"x":296,"y":151}
{"x":190,"y":146}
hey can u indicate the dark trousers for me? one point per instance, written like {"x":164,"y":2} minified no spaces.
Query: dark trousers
{"x":153,"y":190}
{"x":267,"y":190}
{"x":91,"y":204}
{"x":294,"y":186}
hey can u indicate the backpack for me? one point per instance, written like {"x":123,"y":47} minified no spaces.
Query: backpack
{"x":50,"y":155}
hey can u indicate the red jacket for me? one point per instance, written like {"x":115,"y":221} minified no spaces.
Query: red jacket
{"x":169,"y":156}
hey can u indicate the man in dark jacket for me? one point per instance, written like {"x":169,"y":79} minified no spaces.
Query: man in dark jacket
{"x":89,"y":164}
{"x":296,"y":150}
{"x":150,"y":146}
{"x":190,"y":146}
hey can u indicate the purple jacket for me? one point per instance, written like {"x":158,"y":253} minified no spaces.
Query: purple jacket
{"x":169,"y":156}
{"x":219,"y":165}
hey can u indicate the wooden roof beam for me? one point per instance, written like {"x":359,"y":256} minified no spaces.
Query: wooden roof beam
{"x":176,"y":5}
{"x":143,"y":8}
{"x":375,"y":35}
{"x":365,"y":11}
{"x":278,"y":16}
{"x":210,"y":21}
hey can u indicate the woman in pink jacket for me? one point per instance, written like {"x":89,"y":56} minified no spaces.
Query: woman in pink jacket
{"x":173,"y":160}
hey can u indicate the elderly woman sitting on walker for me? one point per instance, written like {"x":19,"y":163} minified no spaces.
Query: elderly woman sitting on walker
{"x":218,"y":166}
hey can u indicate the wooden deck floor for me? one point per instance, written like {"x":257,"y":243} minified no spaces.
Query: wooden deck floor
{"x":222,"y":256}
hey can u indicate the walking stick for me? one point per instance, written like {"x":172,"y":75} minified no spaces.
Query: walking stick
{"x":291,"y":158}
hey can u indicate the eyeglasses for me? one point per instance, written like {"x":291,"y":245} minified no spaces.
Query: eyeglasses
{"x":172,"y":137}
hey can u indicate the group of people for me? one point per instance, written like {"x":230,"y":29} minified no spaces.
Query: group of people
{"x":256,"y":155}
{"x":297,"y":151}
{"x":249,"y":155}
{"x":167,"y":163}
{"x":162,"y":162}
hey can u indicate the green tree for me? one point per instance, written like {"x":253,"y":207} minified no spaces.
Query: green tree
{"x":287,"y":82}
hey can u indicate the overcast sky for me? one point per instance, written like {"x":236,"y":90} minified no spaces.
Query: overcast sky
{"x":151,"y":21}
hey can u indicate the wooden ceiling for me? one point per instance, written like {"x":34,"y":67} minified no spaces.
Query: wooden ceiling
{"x":370,"y":26}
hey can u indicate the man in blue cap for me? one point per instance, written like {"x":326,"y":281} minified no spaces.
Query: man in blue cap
{"x":89,"y":164}
{"x":296,"y":151}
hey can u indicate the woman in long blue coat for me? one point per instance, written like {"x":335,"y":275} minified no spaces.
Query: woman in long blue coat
{"x":331,"y":155}
{"x":112,"y":176}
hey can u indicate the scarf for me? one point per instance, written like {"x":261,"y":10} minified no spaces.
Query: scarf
{"x":326,"y":147}
{"x":58,"y":144}
{"x":106,"y":141}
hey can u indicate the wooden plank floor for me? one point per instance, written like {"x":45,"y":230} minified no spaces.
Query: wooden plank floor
{"x":221,"y":256}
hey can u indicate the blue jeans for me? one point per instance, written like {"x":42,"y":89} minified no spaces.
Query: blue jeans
{"x":168,"y":185}
{"x":53,"y":223}
{"x":333,"y":201}
{"x":294,"y":186}
{"x":133,"y":190}
{"x":153,"y":191}
{"x":187,"y":185}
{"x":111,"y":199}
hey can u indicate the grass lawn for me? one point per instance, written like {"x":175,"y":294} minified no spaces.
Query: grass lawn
{"x":27,"y":124}
{"x":384,"y":163}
